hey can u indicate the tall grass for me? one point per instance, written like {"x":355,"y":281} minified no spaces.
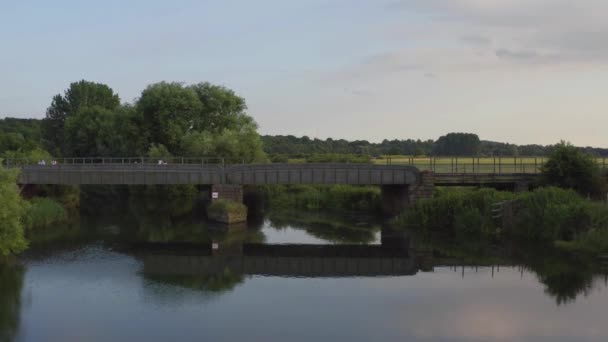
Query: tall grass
{"x":43,"y":212}
{"x":331,"y":197}
{"x":223,"y":206}
{"x":546,"y":214}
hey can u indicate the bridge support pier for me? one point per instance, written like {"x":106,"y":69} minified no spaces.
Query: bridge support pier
{"x":227,"y":191}
{"x":397,"y":198}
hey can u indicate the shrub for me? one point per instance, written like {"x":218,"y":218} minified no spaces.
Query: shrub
{"x":336,"y":197}
{"x":12,"y":207}
{"x":547,"y":214}
{"x":43,"y":212}
{"x":222,"y":206}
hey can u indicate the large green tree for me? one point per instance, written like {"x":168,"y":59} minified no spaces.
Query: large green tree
{"x":78,"y":96}
{"x":569,"y":167}
{"x":457,"y":144}
{"x":169,"y":111}
{"x":221,"y":108}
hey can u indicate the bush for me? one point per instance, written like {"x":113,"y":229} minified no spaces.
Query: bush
{"x":12,"y":207}
{"x":464,"y":211}
{"x":547,"y":214}
{"x":43,"y":212}
{"x":570,"y":168}
{"x":336,"y":197}
{"x":222,"y":206}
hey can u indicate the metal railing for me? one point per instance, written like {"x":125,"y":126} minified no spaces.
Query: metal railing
{"x":480,"y":165}
{"x":18,"y":162}
{"x":446,"y":165}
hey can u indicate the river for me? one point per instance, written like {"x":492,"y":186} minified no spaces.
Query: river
{"x":288,"y":277}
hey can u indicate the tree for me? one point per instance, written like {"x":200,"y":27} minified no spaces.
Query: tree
{"x":458,"y":144}
{"x":169,"y":111}
{"x":79,"y":95}
{"x":92,"y":132}
{"x":221,"y":107}
{"x":570,"y":168}
{"x":12,"y":208}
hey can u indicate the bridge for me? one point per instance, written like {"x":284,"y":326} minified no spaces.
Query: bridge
{"x":401,"y":185}
{"x":391,"y":257}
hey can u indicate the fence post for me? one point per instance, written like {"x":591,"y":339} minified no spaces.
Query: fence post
{"x":499,"y":165}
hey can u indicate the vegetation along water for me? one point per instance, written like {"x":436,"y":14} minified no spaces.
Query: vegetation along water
{"x":127,"y":257}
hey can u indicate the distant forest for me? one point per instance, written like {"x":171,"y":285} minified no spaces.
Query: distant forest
{"x":26,"y":134}
{"x":452,"y":144}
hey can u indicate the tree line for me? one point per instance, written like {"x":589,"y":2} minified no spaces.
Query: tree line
{"x":89,"y":120}
{"x":452,"y":144}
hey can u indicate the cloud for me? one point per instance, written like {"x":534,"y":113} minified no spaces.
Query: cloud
{"x":539,"y":31}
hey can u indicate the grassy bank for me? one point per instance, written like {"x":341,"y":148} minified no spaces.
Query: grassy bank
{"x":330,"y":197}
{"x":227,"y":211}
{"x":545,"y":215}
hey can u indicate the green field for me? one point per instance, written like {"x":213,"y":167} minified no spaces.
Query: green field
{"x":467,"y":164}
{"x":473,"y":164}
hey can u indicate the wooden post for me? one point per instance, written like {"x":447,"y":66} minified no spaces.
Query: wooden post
{"x":499,"y":165}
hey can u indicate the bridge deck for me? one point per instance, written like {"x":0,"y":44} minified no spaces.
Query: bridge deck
{"x":256,"y":174}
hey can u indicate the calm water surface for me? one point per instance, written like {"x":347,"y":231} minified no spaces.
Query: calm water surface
{"x":290,"y":278}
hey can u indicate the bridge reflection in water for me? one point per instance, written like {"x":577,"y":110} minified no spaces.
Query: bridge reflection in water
{"x":391,"y":258}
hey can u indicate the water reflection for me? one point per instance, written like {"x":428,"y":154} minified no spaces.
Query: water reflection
{"x":11,"y":283}
{"x":157,"y":277}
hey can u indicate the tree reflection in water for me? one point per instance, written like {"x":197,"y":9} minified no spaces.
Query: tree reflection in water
{"x":11,"y":283}
{"x":564,"y":275}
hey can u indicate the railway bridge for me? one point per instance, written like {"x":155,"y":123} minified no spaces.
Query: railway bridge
{"x":401,"y":185}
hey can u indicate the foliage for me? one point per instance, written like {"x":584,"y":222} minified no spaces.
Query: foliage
{"x":457,"y":144}
{"x":465,"y":211}
{"x":78,"y":96}
{"x":169,"y":111}
{"x":570,"y":168}
{"x":11,"y":285}
{"x":221,"y":206}
{"x":44,"y":212}
{"x":330,"y":197}
{"x":299,"y":147}
{"x":547,"y":214}
{"x":221,"y":108}
{"x":159,"y":151}
{"x":19,"y":135}
{"x":12,"y":207}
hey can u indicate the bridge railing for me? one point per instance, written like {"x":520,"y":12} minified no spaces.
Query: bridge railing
{"x":451,"y":165}
{"x":18,"y":162}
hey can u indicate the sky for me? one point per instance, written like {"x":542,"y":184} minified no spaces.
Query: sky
{"x":520,"y":71}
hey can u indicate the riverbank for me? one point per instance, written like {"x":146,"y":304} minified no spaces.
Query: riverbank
{"x":326,"y":197}
{"x":546,"y":215}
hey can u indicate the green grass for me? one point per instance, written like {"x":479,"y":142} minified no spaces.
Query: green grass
{"x":443,"y":164}
{"x":221,"y":206}
{"x":328,"y":197}
{"x":43,"y":212}
{"x":545,"y":215}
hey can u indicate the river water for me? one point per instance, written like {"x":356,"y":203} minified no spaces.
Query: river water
{"x":289,"y":277}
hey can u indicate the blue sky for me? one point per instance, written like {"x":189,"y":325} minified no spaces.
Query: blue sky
{"x":524,"y":71}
